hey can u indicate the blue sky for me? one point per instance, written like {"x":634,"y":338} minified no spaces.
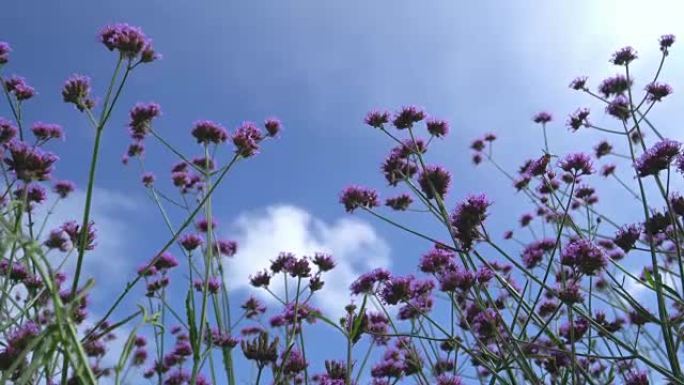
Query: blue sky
{"x":320,"y":66}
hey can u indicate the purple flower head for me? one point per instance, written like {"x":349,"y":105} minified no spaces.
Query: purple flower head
{"x":7,"y":131}
{"x":407,"y":116}
{"x":619,"y":108}
{"x":623,"y":56}
{"x":324,"y":262}
{"x":396,"y":289}
{"x":5,"y":50}
{"x":616,"y":85}
{"x":602,"y":149}
{"x":246,"y":139}
{"x":130,"y":41}
{"x":17,"y":85}
{"x":579,"y":83}
{"x":397,"y":167}
{"x":434,"y":181}
{"x":657,"y":91}
{"x":19,"y":339}
{"x":213,"y":285}
{"x":354,"y":197}
{"x":206,"y":131}
{"x":637,"y":378}
{"x":608,"y":170}
{"x":45,"y":131}
{"x":164,"y":261}
{"x":657,"y":158}
{"x":260,"y":279}
{"x":225,"y":248}
{"x":63,"y":188}
{"x":148,"y":179}
{"x":436,"y":260}
{"x":253,"y":308}
{"x":273,"y":126}
{"x":399,"y":203}
{"x":577,"y":163}
{"x":141,"y":116}
{"x":366,"y":282}
{"x":626,"y":237}
{"x":58,"y":239}
{"x":542,"y":117}
{"x":191,"y":241}
{"x":76,"y":91}
{"x":666,"y":42}
{"x":578,"y":119}
{"x":471,"y":212}
{"x":73,"y":230}
{"x":377,"y":118}
{"x":437,"y":127}
{"x":571,"y":293}
{"x":586,"y":256}
{"x":203,"y":225}
{"x":456,"y":279}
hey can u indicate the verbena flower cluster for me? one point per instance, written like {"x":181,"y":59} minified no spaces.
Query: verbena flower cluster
{"x":570,"y":295}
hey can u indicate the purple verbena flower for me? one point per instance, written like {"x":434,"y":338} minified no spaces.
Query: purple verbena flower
{"x":354,"y":197}
{"x":657,"y":158}
{"x":206,"y":131}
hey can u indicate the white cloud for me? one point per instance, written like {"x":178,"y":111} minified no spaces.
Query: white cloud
{"x":261,"y":235}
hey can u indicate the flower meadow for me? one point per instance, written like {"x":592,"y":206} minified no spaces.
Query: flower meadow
{"x":553,"y":302}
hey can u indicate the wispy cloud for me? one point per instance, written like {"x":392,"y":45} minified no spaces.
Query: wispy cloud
{"x":262,"y":234}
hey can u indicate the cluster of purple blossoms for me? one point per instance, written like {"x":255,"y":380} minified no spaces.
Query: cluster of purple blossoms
{"x":467,"y":218}
{"x":579,"y":83}
{"x":399,"y":165}
{"x":354,"y":197}
{"x":377,"y":118}
{"x":657,"y":91}
{"x":657,"y":158}
{"x":17,"y":342}
{"x":534,"y":252}
{"x":46,"y":131}
{"x":585,"y":256}
{"x":437,"y":127}
{"x":434,"y":182}
{"x":614,"y":86}
{"x":666,"y":42}
{"x":542,"y":117}
{"x":399,"y":203}
{"x":141,"y":116}
{"x":29,"y":163}
{"x":76,"y":91}
{"x":17,"y":86}
{"x":129,"y":41}
{"x":7,"y":131}
{"x":273,"y":126}
{"x":619,"y":108}
{"x":63,"y":188}
{"x":577,"y":163}
{"x":578,"y":119}
{"x":624,"y":56}
{"x":156,"y":272}
{"x":407,"y":116}
{"x":206,"y":131}
{"x":246,"y":139}
{"x":5,"y":50}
